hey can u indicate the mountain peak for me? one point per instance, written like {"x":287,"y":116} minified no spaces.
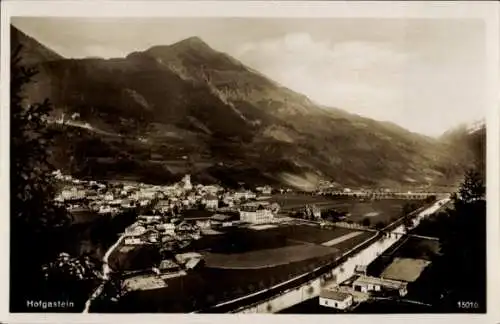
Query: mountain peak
{"x":194,"y":42}
{"x":186,"y":46}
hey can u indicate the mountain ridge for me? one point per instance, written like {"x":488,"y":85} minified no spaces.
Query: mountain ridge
{"x":201,"y":111}
{"x":33,"y":51}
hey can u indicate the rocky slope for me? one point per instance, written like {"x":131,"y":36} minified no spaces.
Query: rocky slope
{"x":186,"y":107}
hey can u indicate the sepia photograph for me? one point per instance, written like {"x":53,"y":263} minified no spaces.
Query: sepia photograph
{"x":232,"y":164}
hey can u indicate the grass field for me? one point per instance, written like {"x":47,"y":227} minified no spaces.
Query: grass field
{"x":405,"y":269}
{"x":267,"y":258}
{"x":291,"y":201}
{"x":376,"y":211}
{"x":311,"y":234}
{"x":246,"y":248}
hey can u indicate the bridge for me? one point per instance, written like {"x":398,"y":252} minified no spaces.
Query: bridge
{"x":390,"y":195}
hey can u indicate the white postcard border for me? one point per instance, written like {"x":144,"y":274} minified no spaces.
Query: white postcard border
{"x":486,"y":10}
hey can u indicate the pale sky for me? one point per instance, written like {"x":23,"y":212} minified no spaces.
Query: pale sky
{"x":425,"y":75}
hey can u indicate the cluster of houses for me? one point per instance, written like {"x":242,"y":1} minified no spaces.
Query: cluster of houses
{"x":360,"y":288}
{"x":153,"y":229}
{"x":92,"y":196}
{"x":170,"y":201}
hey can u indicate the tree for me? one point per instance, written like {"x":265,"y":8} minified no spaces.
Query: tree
{"x":472,"y":188}
{"x":430,"y":199}
{"x":366,"y":222}
{"x":461,"y":231}
{"x":210,"y":299}
{"x":379,"y":225}
{"x":69,"y":277}
{"x":408,"y":208}
{"x":35,"y":218}
{"x":407,"y":223}
{"x":66,"y":269}
{"x":32,"y":186}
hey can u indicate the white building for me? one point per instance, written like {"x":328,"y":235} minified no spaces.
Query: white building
{"x":149,"y":218}
{"x":186,"y":182}
{"x":202,"y":223}
{"x":335,"y":299}
{"x":373,"y":284}
{"x":256,"y":213}
{"x":244,"y":195}
{"x":211,"y":201}
{"x":266,"y":190}
{"x":167,"y":228}
{"x":133,"y":240}
{"x":73,"y":193}
{"x":135,"y":230}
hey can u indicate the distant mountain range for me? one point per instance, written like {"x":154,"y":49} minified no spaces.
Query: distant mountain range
{"x":187,"y":108}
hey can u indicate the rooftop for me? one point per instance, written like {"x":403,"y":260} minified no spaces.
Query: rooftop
{"x":168,"y":264}
{"x":187,"y":256}
{"x":210,"y":197}
{"x":144,"y":283}
{"x":334,"y":295}
{"x":220,"y":217}
{"x":367,"y":280}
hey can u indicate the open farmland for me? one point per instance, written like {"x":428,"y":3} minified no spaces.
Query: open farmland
{"x":243,"y":240}
{"x":267,"y":258}
{"x":311,"y":233}
{"x":289,"y":202}
{"x":385,"y":210}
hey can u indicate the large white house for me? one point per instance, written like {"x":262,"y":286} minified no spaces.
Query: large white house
{"x":211,"y":201}
{"x":256,"y":213}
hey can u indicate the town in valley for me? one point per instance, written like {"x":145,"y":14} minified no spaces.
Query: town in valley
{"x":193,"y":165}
{"x":213,"y":236}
